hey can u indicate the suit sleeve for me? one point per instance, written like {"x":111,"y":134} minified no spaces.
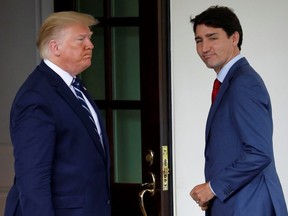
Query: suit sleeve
{"x":33,"y":138}
{"x":251,"y":117}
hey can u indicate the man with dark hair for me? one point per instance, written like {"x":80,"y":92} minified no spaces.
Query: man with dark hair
{"x":241,"y":177}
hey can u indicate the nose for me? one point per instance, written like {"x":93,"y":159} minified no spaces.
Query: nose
{"x":205,"y":47}
{"x":90,"y":44}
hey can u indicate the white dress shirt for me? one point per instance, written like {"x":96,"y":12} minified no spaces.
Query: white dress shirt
{"x":67,"y":78}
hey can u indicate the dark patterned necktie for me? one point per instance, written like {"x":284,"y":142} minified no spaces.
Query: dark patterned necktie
{"x":78,"y":90}
{"x":216,"y":87}
{"x":79,"y":94}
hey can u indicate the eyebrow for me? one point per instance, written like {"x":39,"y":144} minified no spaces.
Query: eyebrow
{"x":207,"y":36}
{"x":86,"y":34}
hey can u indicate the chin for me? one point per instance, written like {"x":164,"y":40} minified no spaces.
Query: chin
{"x":209,"y":66}
{"x":87,"y":63}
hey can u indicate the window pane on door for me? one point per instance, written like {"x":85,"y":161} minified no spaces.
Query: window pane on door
{"x":127,"y":146}
{"x":126,"y":63}
{"x":125,"y":8}
{"x":93,"y":7}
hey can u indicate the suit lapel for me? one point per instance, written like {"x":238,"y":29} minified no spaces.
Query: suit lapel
{"x":214,"y":107}
{"x":223,"y":89}
{"x":70,"y":98}
{"x":104,"y":138}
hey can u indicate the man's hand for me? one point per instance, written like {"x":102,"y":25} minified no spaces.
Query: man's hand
{"x":202,"y":194}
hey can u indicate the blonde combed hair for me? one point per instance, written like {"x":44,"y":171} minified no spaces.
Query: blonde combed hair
{"x":52,"y":27}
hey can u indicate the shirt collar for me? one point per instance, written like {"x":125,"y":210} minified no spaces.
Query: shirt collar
{"x":223,"y":72}
{"x":67,"y":78}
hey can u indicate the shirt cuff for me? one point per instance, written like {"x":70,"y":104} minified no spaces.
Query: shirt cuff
{"x":212,"y":189}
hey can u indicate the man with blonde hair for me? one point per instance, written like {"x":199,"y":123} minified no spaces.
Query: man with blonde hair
{"x":60,"y":145}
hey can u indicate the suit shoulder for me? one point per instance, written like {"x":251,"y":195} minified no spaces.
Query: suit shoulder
{"x":245,"y":74}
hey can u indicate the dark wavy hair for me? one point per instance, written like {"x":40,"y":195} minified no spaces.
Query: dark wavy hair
{"x":220,"y":17}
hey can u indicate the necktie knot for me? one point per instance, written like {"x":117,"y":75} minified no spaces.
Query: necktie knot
{"x":76,"y":83}
{"x":216,"y":87}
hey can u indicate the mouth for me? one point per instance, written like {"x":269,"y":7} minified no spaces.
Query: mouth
{"x":207,"y":56}
{"x":89,"y":55}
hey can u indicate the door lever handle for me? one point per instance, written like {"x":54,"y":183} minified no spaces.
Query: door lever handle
{"x":150,"y":188}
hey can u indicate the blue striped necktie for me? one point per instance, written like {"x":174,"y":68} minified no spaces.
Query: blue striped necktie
{"x":78,"y":90}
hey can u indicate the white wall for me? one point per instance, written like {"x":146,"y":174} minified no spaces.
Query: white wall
{"x":265,"y":45}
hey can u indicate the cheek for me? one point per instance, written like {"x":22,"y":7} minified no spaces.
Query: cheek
{"x":198,"y":49}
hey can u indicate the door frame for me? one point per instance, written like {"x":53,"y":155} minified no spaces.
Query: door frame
{"x":155,"y":73}
{"x":156,"y":14}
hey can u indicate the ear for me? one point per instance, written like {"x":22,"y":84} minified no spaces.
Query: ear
{"x":235,"y":38}
{"x":54,"y":48}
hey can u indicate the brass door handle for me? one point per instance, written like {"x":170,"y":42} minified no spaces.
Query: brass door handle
{"x":151,"y":189}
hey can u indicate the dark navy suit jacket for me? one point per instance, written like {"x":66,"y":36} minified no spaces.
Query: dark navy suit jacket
{"x":61,"y":168}
{"x":239,"y":161}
